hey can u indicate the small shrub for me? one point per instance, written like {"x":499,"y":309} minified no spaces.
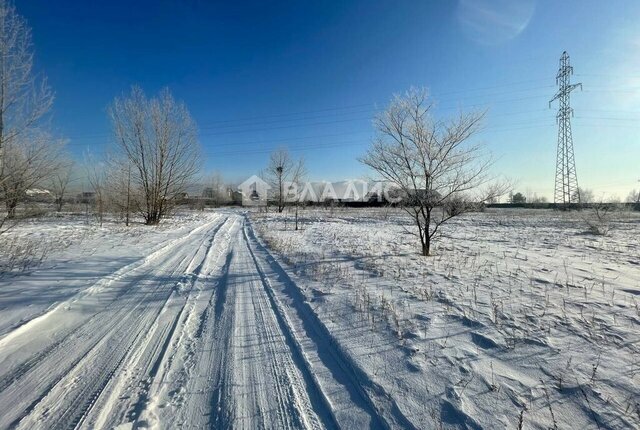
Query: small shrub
{"x":598,"y":217}
{"x":19,"y":254}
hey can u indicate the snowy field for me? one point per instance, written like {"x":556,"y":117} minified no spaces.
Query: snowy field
{"x":519,"y":320}
{"x":230,"y":319}
{"x":58,"y":255}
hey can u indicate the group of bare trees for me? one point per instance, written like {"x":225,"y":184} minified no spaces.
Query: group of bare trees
{"x":156,"y":149}
{"x":155,"y":156}
{"x":439,"y":172}
{"x":30,"y":156}
{"x":439,"y":169}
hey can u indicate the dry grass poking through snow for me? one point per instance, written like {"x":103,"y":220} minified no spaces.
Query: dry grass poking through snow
{"x":520,"y":320}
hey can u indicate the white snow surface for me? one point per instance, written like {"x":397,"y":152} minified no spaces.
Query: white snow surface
{"x":231,"y":319}
{"x":519,"y":319}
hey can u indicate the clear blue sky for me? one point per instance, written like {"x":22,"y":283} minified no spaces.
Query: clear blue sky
{"x":309,"y":75}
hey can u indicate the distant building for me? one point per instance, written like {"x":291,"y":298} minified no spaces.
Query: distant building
{"x":235,"y":196}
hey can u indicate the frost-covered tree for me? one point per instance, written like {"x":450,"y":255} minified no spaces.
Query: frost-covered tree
{"x":282,"y":172}
{"x":59,"y":182}
{"x":158,"y":137}
{"x":27,"y":151}
{"x":432,"y":161}
{"x":215,"y":189}
{"x":119,"y":191}
{"x":97,"y":177}
{"x":28,"y":162}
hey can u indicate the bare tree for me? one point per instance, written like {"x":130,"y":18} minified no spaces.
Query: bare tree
{"x":158,"y":137}
{"x":634,"y":197}
{"x":214,"y":189}
{"x":281,"y":172}
{"x":59,"y":182}
{"x":439,"y":172}
{"x":118,"y":187}
{"x":294,"y":186}
{"x":127,"y":206}
{"x":24,"y":100}
{"x":97,"y":177}
{"x":29,"y":160}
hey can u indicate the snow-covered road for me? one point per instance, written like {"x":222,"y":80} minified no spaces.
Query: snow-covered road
{"x":192,"y":336}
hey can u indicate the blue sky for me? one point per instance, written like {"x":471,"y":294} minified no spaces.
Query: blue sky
{"x":310,"y":76}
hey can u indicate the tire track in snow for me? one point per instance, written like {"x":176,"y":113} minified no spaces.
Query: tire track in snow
{"x":13,"y":374}
{"x":155,"y":360}
{"x":158,"y":345}
{"x":123,"y":330}
{"x":197,"y":361}
{"x":318,"y":399}
{"x":382,"y":409}
{"x":259,"y":358}
{"x":230,"y":348}
{"x":104,"y":281}
{"x":291,"y":386}
{"x":238,"y":371}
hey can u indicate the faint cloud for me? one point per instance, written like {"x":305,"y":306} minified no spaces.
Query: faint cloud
{"x":492,"y":22}
{"x":622,"y":76}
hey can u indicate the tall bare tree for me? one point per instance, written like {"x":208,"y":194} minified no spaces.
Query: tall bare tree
{"x":24,"y":101}
{"x":59,"y":182}
{"x":295,"y":188}
{"x":158,"y":137}
{"x":97,"y":176}
{"x":439,"y":172}
{"x":281,"y":173}
{"x":118,"y":185}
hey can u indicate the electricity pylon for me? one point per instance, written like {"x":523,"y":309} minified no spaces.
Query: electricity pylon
{"x":566,"y":189}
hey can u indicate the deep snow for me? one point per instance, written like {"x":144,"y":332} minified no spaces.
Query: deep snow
{"x":518,"y":316}
{"x":233,"y":320}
